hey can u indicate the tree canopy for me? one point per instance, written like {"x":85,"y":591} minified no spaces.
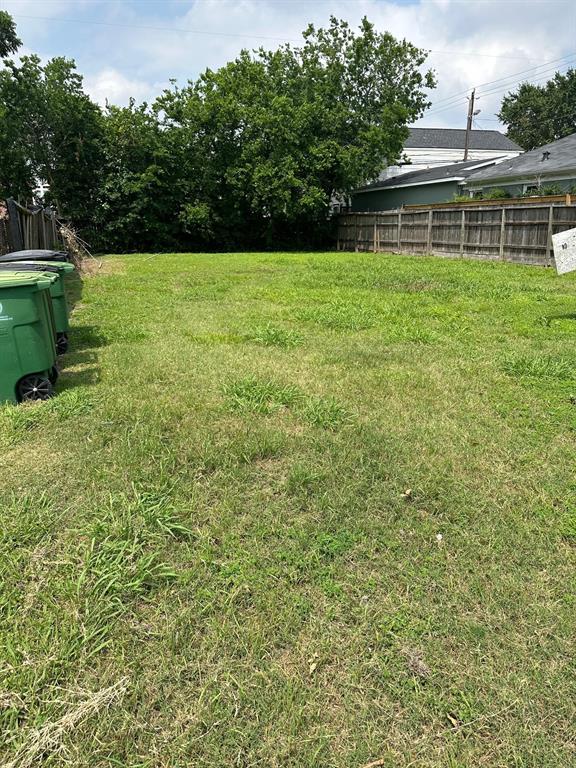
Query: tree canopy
{"x":52,"y":133}
{"x":269,"y":139}
{"x":252,"y":153}
{"x":538,"y":114}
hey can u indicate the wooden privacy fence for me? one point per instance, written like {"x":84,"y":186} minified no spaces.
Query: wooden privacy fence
{"x":516,"y":233}
{"x":22,"y":228}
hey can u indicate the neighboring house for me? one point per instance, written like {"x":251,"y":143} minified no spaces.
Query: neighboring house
{"x":553,"y":165}
{"x":432,"y":185}
{"x":434,"y":147}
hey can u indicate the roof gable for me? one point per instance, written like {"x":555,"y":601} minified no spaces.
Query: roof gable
{"x":455,"y":138}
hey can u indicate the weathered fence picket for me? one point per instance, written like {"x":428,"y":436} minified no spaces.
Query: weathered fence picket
{"x":22,"y":228}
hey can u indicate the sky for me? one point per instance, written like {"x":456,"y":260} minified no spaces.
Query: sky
{"x":127,"y":48}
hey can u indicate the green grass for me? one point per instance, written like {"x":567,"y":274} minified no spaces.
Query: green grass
{"x":212,"y":516}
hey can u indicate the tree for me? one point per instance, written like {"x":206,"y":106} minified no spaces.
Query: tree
{"x":266,"y":141}
{"x":52,"y":133}
{"x":139,"y":195}
{"x":539,"y":114}
{"x":9,"y":41}
{"x":249,"y":154}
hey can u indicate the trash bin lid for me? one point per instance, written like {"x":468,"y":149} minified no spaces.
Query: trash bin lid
{"x":26,"y":279}
{"x":62,"y":266}
{"x":29,"y":266}
{"x":35,"y":254}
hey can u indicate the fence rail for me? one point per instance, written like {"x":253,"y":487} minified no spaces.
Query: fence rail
{"x":22,"y":228}
{"x":520,"y":234}
{"x":566,"y":198}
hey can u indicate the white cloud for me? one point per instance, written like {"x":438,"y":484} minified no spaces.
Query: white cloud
{"x":471,"y":42}
{"x":109,"y":85}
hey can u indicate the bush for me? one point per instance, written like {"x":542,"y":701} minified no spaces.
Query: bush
{"x":497,"y":194}
{"x":493,"y":194}
{"x":550,"y":189}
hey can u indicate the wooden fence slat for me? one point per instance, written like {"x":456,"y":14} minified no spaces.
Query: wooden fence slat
{"x":502,"y":233}
{"x":549,"y":243}
{"x":30,"y":228}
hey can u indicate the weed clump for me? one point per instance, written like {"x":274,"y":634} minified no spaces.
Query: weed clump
{"x":269,"y":336}
{"x":540,"y":367}
{"x":260,"y":396}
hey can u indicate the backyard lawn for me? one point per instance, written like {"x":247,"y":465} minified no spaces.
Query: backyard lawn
{"x":296,"y":511}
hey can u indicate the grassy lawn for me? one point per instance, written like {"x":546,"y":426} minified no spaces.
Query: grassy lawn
{"x":296,"y":510}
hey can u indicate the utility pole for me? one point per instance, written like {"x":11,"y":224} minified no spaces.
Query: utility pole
{"x":469,"y":123}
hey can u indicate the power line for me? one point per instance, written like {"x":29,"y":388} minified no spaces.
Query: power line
{"x":504,"y":81}
{"x":500,"y":89}
{"x":186,"y":30}
{"x":153,"y":28}
{"x":503,"y":90}
{"x":477,"y":53}
{"x":542,"y":77}
{"x":508,"y":77}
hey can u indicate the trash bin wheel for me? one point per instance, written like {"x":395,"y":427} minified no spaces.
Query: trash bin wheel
{"x":53,"y":375}
{"x":34,"y":387}
{"x":61,"y":343}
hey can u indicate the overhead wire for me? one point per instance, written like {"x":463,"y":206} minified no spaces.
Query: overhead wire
{"x":507,"y":77}
{"x":501,"y":89}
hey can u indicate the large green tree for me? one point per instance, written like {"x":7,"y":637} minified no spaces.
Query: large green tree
{"x":538,"y":114}
{"x":268,"y":140}
{"x":52,"y":133}
{"x":250,"y":154}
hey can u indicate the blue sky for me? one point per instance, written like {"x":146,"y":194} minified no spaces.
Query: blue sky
{"x":133,"y":47}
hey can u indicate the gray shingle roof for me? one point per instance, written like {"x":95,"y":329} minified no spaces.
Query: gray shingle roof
{"x":442,"y":173}
{"x":454,"y":138}
{"x":561,"y":159}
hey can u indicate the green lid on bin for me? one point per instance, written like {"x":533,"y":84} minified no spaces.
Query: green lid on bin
{"x":27,"y":279}
{"x":63,"y":266}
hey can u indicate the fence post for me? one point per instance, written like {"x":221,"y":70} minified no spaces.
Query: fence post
{"x":462,"y":231}
{"x":549,"y":240}
{"x":375,"y":234}
{"x":502,"y":233}
{"x":399,"y":228}
{"x":429,"y":234}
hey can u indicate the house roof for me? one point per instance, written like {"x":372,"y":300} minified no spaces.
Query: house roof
{"x":454,"y":138}
{"x":561,"y":159}
{"x":452,"y":172}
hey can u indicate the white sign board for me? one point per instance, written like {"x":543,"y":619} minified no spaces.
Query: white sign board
{"x":565,"y":251}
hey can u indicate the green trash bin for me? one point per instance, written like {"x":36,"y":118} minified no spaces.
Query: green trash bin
{"x":57,"y":292}
{"x":27,"y":341}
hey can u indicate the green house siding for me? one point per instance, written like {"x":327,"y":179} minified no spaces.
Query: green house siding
{"x":385,"y":199}
{"x":516,"y":188}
